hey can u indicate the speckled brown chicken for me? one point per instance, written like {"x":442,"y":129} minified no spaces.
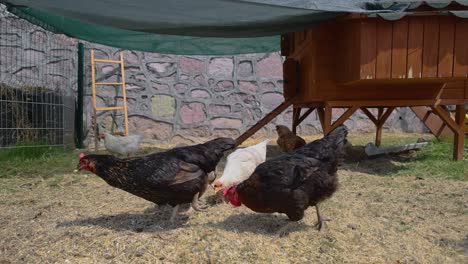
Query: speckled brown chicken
{"x":174,"y":177}
{"x":287,"y":141}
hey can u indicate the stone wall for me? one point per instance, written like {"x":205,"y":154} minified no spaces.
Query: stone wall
{"x":33,"y":57}
{"x":184,"y":98}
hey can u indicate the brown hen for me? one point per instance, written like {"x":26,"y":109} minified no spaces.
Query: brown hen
{"x":287,"y":140}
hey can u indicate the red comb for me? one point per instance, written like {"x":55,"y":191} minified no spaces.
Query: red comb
{"x":81,"y":155}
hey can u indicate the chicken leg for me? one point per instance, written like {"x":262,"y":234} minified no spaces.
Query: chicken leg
{"x":197,"y":205}
{"x":320,"y":219}
{"x":174,"y":214}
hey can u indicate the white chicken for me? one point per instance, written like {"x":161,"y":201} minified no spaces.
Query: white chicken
{"x":121,"y":145}
{"x":241,"y":164}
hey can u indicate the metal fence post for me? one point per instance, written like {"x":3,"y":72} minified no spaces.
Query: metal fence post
{"x":79,"y":99}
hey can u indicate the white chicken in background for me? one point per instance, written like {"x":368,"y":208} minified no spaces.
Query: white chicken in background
{"x":241,"y":164}
{"x":121,"y":145}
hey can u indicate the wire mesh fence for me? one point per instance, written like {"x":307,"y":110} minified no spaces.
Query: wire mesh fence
{"x":38,"y":78}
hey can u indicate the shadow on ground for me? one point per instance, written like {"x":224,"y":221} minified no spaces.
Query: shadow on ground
{"x":266,"y":224}
{"x":151,"y":220}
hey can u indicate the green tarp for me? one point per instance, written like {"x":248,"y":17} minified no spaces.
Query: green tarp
{"x":195,"y":27}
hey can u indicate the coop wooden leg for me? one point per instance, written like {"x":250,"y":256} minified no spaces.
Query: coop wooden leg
{"x":459,"y":135}
{"x":296,"y":115}
{"x":321,"y":116}
{"x":327,"y":119}
{"x":381,"y":121}
{"x":378,"y":131}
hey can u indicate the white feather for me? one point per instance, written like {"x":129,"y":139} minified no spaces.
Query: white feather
{"x":242,"y":163}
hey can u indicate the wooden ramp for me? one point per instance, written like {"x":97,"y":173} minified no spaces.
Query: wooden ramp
{"x":434,"y":123}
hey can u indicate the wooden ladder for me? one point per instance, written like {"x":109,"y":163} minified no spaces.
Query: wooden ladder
{"x":117,"y":107}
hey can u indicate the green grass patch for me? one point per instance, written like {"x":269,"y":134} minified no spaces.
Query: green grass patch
{"x":27,"y":160}
{"x":434,"y":160}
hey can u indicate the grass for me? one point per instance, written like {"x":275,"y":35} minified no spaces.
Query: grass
{"x":382,"y":213}
{"x":434,"y":160}
{"x":28,"y":160}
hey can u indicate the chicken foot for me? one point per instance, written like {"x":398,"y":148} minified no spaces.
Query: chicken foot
{"x":197,"y":205}
{"x":320,"y":219}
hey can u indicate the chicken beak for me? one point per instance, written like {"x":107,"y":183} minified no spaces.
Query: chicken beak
{"x":217,"y":189}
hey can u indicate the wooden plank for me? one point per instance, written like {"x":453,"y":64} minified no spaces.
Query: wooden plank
{"x":107,"y":61}
{"x":305,"y":115}
{"x":348,"y":52}
{"x":344,"y":117}
{"x":446,"y":46}
{"x":459,"y":139}
{"x":285,"y":44}
{"x":379,"y":103}
{"x":384,"y":49}
{"x":327,"y":119}
{"x":385,"y":116}
{"x":431,"y":121}
{"x":379,"y":125}
{"x":431,"y":47}
{"x":466,"y":90}
{"x":445,"y":116}
{"x":295,"y":123}
{"x":399,"y":48}
{"x":380,"y":112}
{"x":290,"y":78}
{"x":460,"y":64}
{"x":415,"y":47}
{"x":109,"y":83}
{"x":369,"y":115}
{"x":270,"y":116}
{"x":109,"y":108}
{"x":124,"y":92}
{"x":93,"y":91}
{"x":453,"y":93}
{"x":321,"y":116}
{"x":368,"y":49}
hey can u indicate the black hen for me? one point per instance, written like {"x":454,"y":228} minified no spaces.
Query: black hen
{"x":173,"y":177}
{"x":292,"y":182}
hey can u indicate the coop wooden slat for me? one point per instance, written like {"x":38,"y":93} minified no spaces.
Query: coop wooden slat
{"x":372,"y":103}
{"x":415,"y":43}
{"x":290,"y":75}
{"x":384,"y":49}
{"x":461,"y":49}
{"x":109,"y":108}
{"x":399,"y":48}
{"x":446,"y":46}
{"x":368,"y":49}
{"x":431,"y":47}
{"x":109,"y":83}
{"x":107,"y":61}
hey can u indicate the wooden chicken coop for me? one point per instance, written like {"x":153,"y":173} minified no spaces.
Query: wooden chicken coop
{"x":360,"y":62}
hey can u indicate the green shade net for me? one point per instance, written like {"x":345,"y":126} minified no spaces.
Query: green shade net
{"x":197,"y":27}
{"x":142,"y":41}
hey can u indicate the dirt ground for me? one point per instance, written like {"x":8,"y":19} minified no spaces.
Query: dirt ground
{"x":78,"y":218}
